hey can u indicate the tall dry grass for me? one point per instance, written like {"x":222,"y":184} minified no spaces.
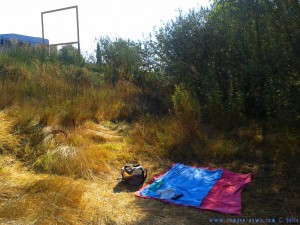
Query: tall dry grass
{"x":60,"y":93}
{"x":8,"y":141}
{"x":39,"y":93}
{"x":87,"y":153}
{"x":50,"y":200}
{"x":46,"y":94}
{"x":178,"y":135}
{"x":168,"y":138}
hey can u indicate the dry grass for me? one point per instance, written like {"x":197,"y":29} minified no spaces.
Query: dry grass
{"x":47,"y":94}
{"x":118,"y":103}
{"x":7,"y":140}
{"x":89,"y":152}
{"x":27,"y":198}
{"x":168,"y":137}
{"x":273,"y":159}
{"x":42,"y":98}
{"x":96,"y":152}
{"x":30,"y":198}
{"x":100,"y":199}
{"x":54,"y":94}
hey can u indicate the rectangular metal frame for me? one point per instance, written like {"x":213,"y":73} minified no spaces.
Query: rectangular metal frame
{"x":61,"y":9}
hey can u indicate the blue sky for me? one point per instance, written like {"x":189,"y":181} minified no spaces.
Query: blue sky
{"x":115,"y":18}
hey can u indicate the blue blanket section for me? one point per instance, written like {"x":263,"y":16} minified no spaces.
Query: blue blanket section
{"x":193,"y":183}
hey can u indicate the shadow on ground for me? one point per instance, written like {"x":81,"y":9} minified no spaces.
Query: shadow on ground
{"x":122,"y":187}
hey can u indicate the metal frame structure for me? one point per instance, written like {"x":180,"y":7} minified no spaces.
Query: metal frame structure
{"x":57,"y":10}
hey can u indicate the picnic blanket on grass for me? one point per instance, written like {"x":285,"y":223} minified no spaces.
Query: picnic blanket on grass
{"x":217,"y":190}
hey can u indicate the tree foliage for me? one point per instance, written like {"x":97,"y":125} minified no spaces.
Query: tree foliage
{"x":120,"y":59}
{"x":69,"y":55}
{"x":240,"y":55}
{"x":238,"y":58}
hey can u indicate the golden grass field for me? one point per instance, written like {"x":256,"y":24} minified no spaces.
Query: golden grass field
{"x":30,"y":197}
{"x":64,"y":139}
{"x":78,"y":184}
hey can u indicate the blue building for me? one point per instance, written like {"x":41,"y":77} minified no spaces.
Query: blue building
{"x":17,"y":39}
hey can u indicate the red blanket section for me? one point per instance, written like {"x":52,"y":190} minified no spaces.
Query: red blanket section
{"x":226,"y":194}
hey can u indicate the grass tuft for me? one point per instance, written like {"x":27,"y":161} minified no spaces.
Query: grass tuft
{"x":8,"y":141}
{"x":81,"y":154}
